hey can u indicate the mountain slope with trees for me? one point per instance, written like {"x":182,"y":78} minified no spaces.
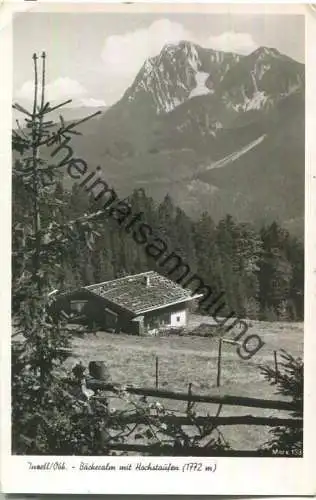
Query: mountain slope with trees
{"x":190,"y":107}
{"x":261,"y":272}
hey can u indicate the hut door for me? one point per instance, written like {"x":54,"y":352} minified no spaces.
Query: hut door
{"x":110,"y":319}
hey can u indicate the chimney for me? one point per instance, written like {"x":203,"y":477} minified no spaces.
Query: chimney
{"x":147,"y":280}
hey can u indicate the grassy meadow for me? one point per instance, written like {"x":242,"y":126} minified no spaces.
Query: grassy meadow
{"x":184,"y":360}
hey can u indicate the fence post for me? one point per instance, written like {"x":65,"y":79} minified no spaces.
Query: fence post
{"x":189,"y":397}
{"x":157,"y":380}
{"x":276,"y":366}
{"x":219,"y":358}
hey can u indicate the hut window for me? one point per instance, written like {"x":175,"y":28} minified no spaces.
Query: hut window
{"x":178,"y":318}
{"x":77,"y":305}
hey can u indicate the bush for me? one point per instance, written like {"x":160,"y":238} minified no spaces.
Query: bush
{"x":289,"y":381}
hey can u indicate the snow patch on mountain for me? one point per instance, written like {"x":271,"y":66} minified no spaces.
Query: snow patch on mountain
{"x":263,"y":68}
{"x":237,"y":154}
{"x":201,"y":187}
{"x":164,"y":101}
{"x":148,"y":66}
{"x":257,"y":101}
{"x":268,"y":51}
{"x":201,"y":88}
{"x":293,"y":87}
{"x":216,"y":126}
{"x":192,"y":55}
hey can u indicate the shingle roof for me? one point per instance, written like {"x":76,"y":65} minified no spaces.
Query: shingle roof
{"x":142,"y":292}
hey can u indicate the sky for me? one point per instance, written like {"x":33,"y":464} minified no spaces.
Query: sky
{"x":93,"y":58}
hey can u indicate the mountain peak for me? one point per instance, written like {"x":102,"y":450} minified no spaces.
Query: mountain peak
{"x":168,"y":78}
{"x":181,"y":45}
{"x":187,"y":51}
{"x":180,"y":71}
{"x":264,"y":51}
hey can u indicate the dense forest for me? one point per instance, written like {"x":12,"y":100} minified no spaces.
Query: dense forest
{"x":261,"y":272}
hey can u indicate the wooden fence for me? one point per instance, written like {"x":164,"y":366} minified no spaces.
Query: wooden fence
{"x":200,"y":420}
{"x":272,"y":404}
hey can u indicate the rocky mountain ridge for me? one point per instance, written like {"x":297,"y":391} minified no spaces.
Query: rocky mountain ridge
{"x":191,"y":108}
{"x":186,"y":70}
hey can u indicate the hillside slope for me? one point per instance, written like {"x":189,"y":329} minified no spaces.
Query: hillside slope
{"x":190,"y":108}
